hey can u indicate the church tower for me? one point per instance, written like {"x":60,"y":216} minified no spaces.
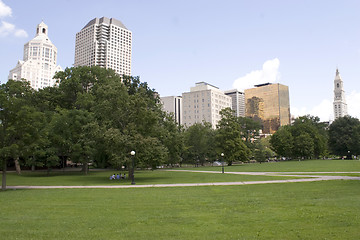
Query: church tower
{"x":340,"y":107}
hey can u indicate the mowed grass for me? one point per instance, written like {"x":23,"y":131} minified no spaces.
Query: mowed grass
{"x":294,"y":166}
{"x":316,"y":210}
{"x":70,"y":178}
{"x":141,"y":177}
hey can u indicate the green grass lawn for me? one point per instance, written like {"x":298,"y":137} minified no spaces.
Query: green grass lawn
{"x":161,"y":176}
{"x":316,"y":210}
{"x":141,"y":177}
{"x":294,"y":166}
{"x":312,"y":210}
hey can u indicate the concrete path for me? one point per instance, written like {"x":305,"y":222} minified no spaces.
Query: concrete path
{"x":302,"y":178}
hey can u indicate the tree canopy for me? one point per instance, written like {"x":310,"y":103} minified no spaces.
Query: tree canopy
{"x":305,"y":138}
{"x":344,"y":136}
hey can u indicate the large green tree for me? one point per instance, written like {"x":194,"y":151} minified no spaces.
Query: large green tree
{"x":305,"y":138}
{"x":20,"y":124}
{"x":230,"y":135}
{"x":344,"y":136}
{"x":199,"y":139}
{"x":127,"y":112}
{"x":317,"y":132}
{"x":282,"y":142}
{"x":73,"y":134}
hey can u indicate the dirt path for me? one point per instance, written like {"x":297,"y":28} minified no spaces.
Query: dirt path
{"x":303,"y":178}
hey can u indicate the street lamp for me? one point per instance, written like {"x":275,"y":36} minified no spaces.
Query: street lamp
{"x":222,"y":162}
{"x":133,"y":167}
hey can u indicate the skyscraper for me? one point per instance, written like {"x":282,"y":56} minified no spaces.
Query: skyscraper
{"x":38,"y":66}
{"x":238,"y":102}
{"x":204,"y":103}
{"x":106,"y":43}
{"x":269,"y":104}
{"x":173,"y":104}
{"x":340,"y":106}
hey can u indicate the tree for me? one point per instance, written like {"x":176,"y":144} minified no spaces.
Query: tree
{"x":20,"y":124}
{"x":229,"y":137}
{"x":126,"y":111}
{"x":198,"y":139}
{"x":262,"y":150}
{"x":344,"y":136}
{"x":306,"y":137}
{"x":303,"y":146}
{"x":282,"y":142}
{"x":172,"y":137}
{"x":315,"y":129}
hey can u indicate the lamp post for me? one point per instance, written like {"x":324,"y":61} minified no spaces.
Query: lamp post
{"x":133,"y":167}
{"x":222,"y":162}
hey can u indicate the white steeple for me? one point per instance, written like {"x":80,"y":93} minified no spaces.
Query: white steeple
{"x":41,"y":28}
{"x":340,"y":106}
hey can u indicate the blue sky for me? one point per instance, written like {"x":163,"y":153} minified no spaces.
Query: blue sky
{"x":225,"y":43}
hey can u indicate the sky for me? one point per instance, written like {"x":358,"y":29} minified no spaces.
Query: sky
{"x":227,"y":43}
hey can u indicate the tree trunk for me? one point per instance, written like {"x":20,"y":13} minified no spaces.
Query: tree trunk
{"x":85,"y":168}
{"x":3,"y":187}
{"x":17,"y":166}
{"x":130,"y":173}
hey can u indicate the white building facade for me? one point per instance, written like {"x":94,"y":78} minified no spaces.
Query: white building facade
{"x":106,"y":43}
{"x":173,"y":104}
{"x":39,"y":63}
{"x":204,"y":103}
{"x":238,"y":102}
{"x":340,"y":106}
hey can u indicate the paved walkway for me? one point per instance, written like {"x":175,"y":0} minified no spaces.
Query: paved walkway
{"x":303,"y":177}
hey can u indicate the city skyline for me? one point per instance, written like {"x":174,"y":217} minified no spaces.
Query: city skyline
{"x":176,"y":44}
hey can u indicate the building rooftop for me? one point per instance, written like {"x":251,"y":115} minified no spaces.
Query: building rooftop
{"x":263,"y":84}
{"x":205,"y":83}
{"x":106,"y":21}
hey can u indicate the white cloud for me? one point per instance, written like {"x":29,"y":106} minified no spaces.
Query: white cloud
{"x":268,"y":74}
{"x":5,"y":11}
{"x":6,"y":28}
{"x":21,"y":33}
{"x":353,"y":100}
{"x":323,"y":110}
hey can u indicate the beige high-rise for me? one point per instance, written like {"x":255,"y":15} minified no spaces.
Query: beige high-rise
{"x":268,"y":103}
{"x":204,"y":103}
{"x":106,"y":43}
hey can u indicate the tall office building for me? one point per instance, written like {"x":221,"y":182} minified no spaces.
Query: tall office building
{"x":340,"y":106}
{"x":238,"y":102}
{"x":269,"y":104}
{"x":204,"y":103}
{"x":173,"y":104}
{"x":38,"y":66}
{"x":106,"y":43}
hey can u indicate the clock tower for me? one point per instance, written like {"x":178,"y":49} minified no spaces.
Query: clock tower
{"x":340,"y":107}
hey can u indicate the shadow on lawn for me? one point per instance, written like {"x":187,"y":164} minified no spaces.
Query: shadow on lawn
{"x":81,"y":179}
